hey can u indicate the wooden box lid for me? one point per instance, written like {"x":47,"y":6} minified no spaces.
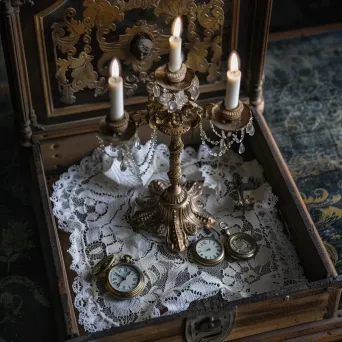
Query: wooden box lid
{"x":58,"y":52}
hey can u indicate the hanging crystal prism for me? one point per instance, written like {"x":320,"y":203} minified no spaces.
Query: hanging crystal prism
{"x":172,"y":105}
{"x":137,"y":143}
{"x":101,"y":143}
{"x":156,"y":91}
{"x":222,"y":145}
{"x":123,"y":166}
{"x":250,"y":129}
{"x":120,"y":154}
{"x":241,"y":148}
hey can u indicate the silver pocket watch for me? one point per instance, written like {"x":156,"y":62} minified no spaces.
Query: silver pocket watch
{"x":239,"y":246}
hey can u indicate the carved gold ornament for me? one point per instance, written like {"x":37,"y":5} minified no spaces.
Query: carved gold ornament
{"x":83,"y":48}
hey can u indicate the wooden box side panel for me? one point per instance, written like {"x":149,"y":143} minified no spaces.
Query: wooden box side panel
{"x":53,"y":252}
{"x":251,"y":319}
{"x":303,"y":232}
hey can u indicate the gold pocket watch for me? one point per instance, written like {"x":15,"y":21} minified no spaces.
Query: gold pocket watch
{"x":123,"y":280}
{"x":239,"y":246}
{"x":208,"y":251}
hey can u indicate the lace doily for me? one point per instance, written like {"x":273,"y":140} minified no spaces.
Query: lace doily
{"x":95,"y":210}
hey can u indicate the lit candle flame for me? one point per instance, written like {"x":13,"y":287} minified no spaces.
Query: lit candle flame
{"x":177,"y":27}
{"x":233,"y":62}
{"x":114,"y":68}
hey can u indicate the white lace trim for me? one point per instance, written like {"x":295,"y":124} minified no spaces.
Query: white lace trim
{"x":94,"y":210}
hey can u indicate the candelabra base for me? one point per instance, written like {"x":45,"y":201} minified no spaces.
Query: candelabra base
{"x":173,"y":214}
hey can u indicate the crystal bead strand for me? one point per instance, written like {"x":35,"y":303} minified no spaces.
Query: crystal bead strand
{"x":239,"y":141}
{"x":223,"y":147}
{"x":250,"y":128}
{"x":101,"y":143}
{"x":149,"y":163}
{"x":205,"y":137}
{"x":222,"y":135}
{"x":148,"y":157}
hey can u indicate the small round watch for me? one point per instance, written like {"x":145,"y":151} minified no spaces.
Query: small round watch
{"x":239,"y":246}
{"x":208,"y":251}
{"x":125,"y":280}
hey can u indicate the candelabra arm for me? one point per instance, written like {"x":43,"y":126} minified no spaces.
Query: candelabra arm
{"x":207,"y":110}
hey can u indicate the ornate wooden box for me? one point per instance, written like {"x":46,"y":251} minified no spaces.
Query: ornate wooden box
{"x":58,"y":54}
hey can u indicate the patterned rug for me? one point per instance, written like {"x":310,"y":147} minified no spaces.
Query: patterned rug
{"x":303,"y":107}
{"x":304,"y":110}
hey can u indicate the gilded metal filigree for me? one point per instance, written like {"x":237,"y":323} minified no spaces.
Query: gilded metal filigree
{"x":82,"y":74}
{"x":83,"y":48}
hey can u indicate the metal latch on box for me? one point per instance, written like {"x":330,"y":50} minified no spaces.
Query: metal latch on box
{"x":209,"y":328}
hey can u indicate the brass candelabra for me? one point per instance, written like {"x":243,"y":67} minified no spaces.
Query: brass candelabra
{"x":172,"y":210}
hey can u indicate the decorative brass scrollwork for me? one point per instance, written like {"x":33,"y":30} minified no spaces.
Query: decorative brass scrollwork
{"x":82,"y":61}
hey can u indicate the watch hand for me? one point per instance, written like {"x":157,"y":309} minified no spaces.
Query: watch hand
{"x":119,"y":275}
{"x":127,"y":275}
{"x":121,"y":282}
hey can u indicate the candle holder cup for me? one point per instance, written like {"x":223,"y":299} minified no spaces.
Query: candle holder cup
{"x":232,"y":114}
{"x":177,"y":76}
{"x":117,"y":132}
{"x":231,"y":120}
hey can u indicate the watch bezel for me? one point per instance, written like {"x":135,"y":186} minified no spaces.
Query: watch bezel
{"x":204,"y":261}
{"x":129,"y":294}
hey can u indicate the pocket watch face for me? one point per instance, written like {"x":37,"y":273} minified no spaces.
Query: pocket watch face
{"x":124,"y":278}
{"x":241,"y":246}
{"x":208,"y":251}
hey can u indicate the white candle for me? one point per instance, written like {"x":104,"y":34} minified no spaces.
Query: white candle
{"x":231,"y":100}
{"x":175,"y":62}
{"x":115,"y":84}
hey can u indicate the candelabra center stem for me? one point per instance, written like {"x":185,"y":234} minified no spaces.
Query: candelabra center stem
{"x":175,"y":172}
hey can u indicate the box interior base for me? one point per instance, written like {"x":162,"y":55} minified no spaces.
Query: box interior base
{"x":60,"y":153}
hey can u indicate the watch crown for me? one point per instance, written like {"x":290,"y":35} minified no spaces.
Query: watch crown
{"x":127,"y":259}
